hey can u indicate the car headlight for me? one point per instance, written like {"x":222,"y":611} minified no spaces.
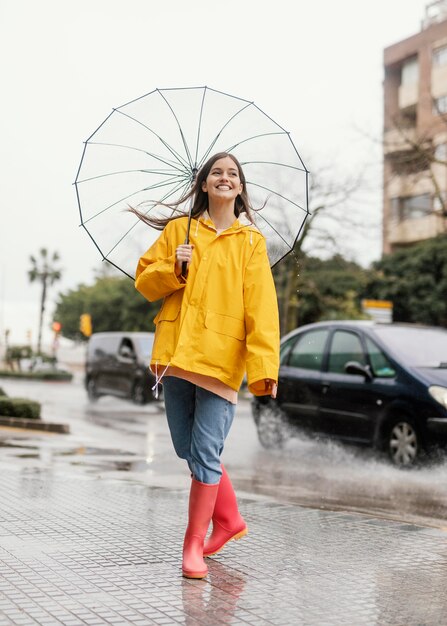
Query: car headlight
{"x":439,"y":394}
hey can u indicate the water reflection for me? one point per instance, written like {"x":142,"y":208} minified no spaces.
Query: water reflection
{"x":421,"y":579}
{"x":218,"y":595}
{"x":36,"y":482}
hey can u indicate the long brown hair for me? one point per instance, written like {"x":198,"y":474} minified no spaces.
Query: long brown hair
{"x":199,"y":197}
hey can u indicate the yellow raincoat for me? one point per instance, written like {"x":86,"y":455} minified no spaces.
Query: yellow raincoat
{"x":223,"y":319}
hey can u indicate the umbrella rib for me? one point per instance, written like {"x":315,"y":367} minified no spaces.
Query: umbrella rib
{"x":91,"y":237}
{"x":81,"y":162}
{"x":200,"y":124}
{"x":138,"y":221}
{"x":159,"y":172}
{"x":164,"y":184}
{"x":183,"y":185}
{"x":277,"y":194}
{"x":185,"y":145}
{"x":213,"y":143}
{"x":293,"y":167}
{"x":239,"y":143}
{"x":284,"y":130}
{"x":294,"y":243}
{"x":174,"y":153}
{"x":174,"y":165}
{"x":273,"y":228}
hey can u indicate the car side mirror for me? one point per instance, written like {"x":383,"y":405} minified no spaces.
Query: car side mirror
{"x":356,"y":368}
{"x":126,"y":353}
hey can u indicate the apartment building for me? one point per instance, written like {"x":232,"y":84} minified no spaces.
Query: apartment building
{"x":415,"y":133}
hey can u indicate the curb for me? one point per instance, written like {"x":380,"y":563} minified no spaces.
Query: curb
{"x":29,"y":424}
{"x":37,"y":376}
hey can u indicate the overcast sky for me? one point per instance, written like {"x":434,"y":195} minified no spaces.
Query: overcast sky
{"x":315,"y":67}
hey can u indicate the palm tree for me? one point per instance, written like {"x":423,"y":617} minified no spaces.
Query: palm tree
{"x":43,"y":270}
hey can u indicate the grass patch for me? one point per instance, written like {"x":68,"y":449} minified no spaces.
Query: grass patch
{"x":19,"y":407}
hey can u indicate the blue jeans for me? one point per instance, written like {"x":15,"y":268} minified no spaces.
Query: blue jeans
{"x":199,"y":422}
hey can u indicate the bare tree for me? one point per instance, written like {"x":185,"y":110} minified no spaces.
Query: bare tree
{"x":413,"y":152}
{"x":44,"y":270}
{"x":336,"y":216}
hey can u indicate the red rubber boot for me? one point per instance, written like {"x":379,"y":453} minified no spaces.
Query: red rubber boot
{"x":228,"y":523}
{"x":202,"y":498}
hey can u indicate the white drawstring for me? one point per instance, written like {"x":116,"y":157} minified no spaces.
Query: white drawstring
{"x":251,"y":237}
{"x":158,"y":378}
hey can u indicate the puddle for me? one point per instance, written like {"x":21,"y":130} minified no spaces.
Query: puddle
{"x":137,"y":465}
{"x":6,"y":444}
{"x":90,"y":458}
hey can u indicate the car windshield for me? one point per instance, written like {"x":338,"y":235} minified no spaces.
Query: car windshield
{"x":145,"y":347}
{"x":419,"y":347}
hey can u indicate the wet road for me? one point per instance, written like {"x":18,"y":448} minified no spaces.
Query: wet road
{"x":116,"y":439}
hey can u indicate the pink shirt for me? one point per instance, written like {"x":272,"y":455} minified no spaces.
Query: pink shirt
{"x":206,"y":382}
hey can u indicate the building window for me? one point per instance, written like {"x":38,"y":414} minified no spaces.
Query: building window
{"x":405,"y":162}
{"x":440,"y":56}
{"x":440,"y":105}
{"x":410,"y":207}
{"x":410,"y":72}
{"x":407,"y":118}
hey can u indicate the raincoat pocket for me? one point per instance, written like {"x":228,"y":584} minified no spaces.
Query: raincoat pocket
{"x":170,"y":308}
{"x":167,"y":328}
{"x":225,"y":325}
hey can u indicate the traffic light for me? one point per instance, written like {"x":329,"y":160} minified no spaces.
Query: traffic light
{"x":57,"y":327}
{"x":85,"y":324}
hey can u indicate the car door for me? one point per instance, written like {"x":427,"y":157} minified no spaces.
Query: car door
{"x":350,"y":403}
{"x":105,"y":362}
{"x":299,"y":388}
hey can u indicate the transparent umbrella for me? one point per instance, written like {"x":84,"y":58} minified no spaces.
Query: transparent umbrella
{"x":148,"y":151}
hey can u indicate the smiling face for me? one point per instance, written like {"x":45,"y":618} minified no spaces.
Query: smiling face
{"x":223,"y":182}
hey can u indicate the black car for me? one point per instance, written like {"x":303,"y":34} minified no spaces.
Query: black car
{"x":118,"y":365}
{"x":376,"y":384}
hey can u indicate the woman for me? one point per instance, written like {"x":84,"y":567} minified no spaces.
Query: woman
{"x":217,"y":321}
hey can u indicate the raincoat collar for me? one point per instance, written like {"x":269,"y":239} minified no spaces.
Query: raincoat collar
{"x":241,"y":222}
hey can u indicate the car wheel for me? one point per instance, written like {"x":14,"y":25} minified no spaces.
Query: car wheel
{"x":139,"y":393}
{"x":92,"y":393}
{"x":403,"y":442}
{"x":270,"y":425}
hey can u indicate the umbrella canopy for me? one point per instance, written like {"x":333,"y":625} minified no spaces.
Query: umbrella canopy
{"x":149,"y":150}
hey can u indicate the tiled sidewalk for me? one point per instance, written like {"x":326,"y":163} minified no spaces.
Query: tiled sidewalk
{"x":84,"y":551}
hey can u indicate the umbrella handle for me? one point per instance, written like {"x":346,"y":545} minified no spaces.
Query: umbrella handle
{"x":188,"y":228}
{"x":185,"y":264}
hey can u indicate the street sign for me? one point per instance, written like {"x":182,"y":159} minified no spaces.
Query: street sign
{"x":378,"y":310}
